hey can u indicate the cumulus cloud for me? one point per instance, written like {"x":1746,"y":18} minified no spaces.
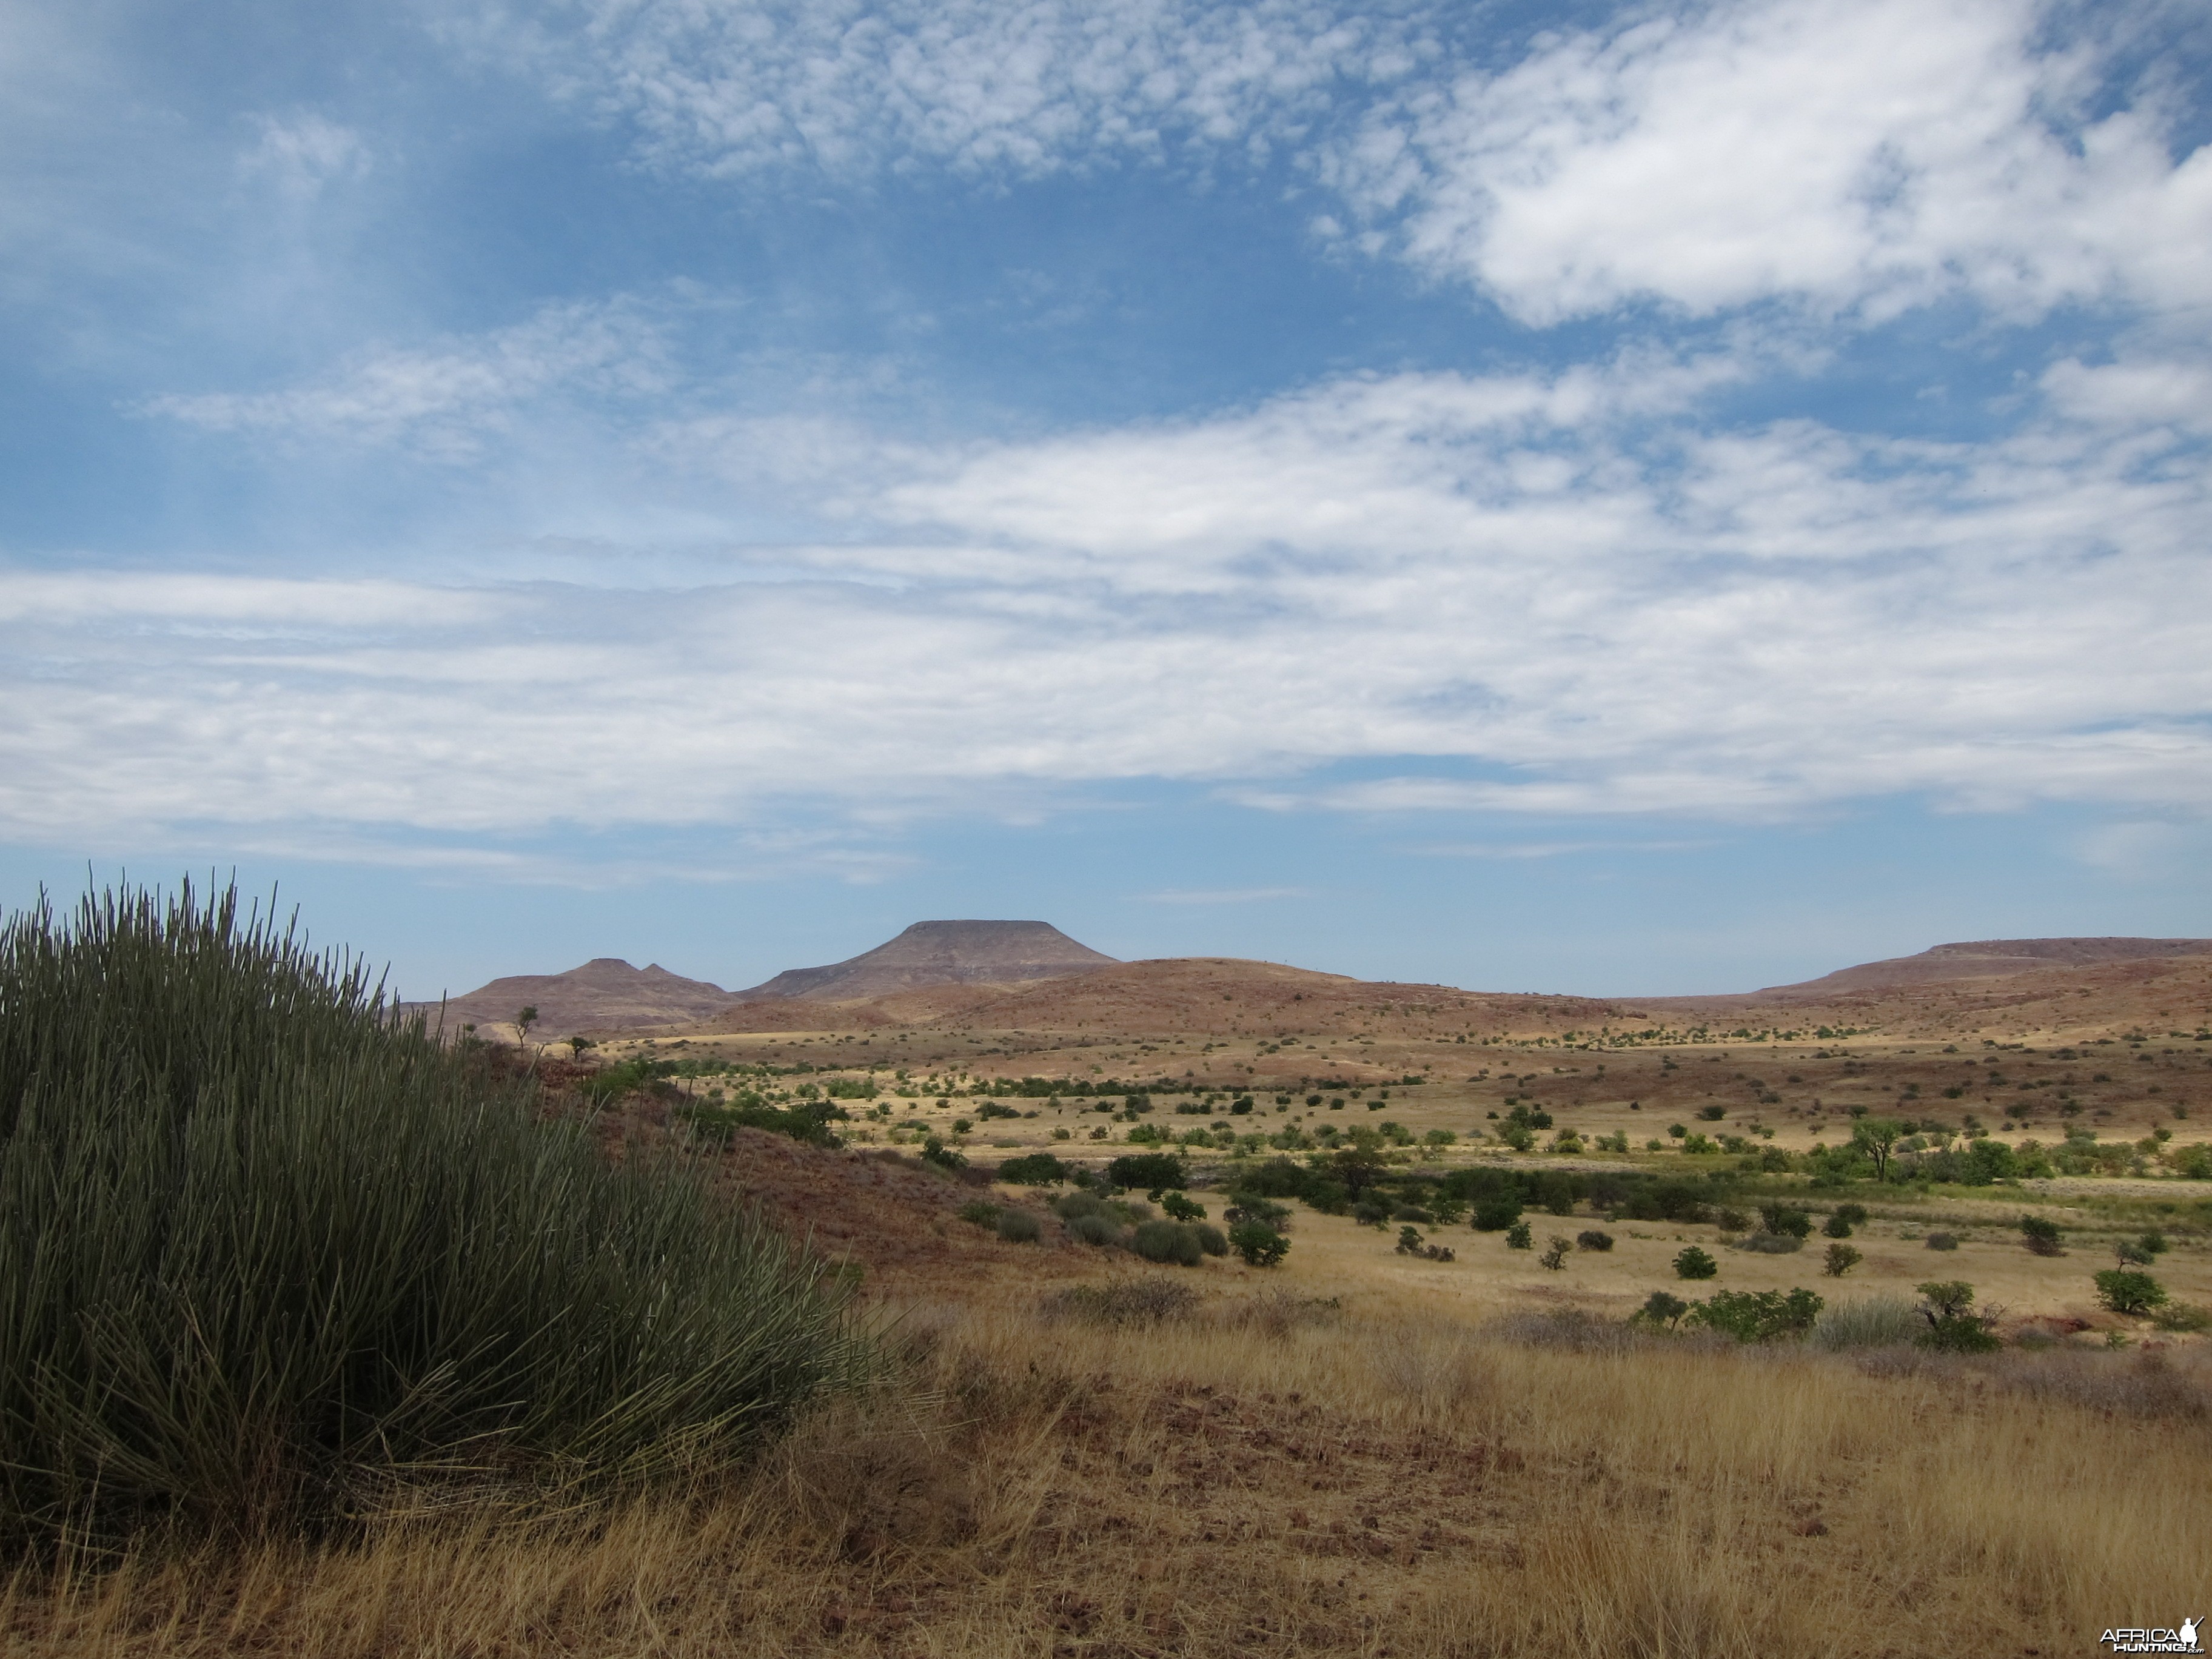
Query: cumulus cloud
{"x":444,"y":399}
{"x":1849,"y":156}
{"x":1569,"y":594}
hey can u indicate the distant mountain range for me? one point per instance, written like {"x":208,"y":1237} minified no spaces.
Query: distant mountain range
{"x":609,"y":996}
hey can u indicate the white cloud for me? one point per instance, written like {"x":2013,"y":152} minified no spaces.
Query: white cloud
{"x":299,"y":154}
{"x":1572,"y":591}
{"x":444,"y":399}
{"x":734,"y":87}
{"x":1851,"y":155}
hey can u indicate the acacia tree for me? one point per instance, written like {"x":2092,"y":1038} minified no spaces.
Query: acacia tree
{"x":1877,"y":1137}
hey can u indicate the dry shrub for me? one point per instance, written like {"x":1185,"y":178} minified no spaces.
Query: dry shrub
{"x":1125,"y":1302}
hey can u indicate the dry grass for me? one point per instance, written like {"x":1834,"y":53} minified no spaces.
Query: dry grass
{"x":1270,"y":1475}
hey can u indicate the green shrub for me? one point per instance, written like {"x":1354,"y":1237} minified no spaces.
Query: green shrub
{"x":2125,"y":1290}
{"x":1210,"y":1239}
{"x":2181,"y":1316}
{"x":1250,"y":1206}
{"x":1370,"y":1213}
{"x":1946,"y":1308}
{"x":1851,"y":1215}
{"x":2041,"y":1234}
{"x":1785,"y":1220}
{"x":1691,"y":1263}
{"x":1033,"y":1170}
{"x":1260,"y":1244}
{"x":1730,"y":1221}
{"x":2151,"y":1244}
{"x":1840,"y":1260}
{"x":1020,"y":1227}
{"x":1094,"y":1227}
{"x":980,"y":1213}
{"x":1770,"y":1243}
{"x":1166,"y":1240}
{"x":1518,"y":1237}
{"x":1150,"y":1172}
{"x":1182,"y":1208}
{"x":1495,"y":1214}
{"x":1836,"y":1227}
{"x":263,"y":1245}
{"x":934,"y":1150}
{"x":1942,"y":1241}
{"x":1592,"y":1239}
{"x":1759,"y":1315}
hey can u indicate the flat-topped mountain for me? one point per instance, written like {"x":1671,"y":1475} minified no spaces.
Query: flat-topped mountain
{"x":1990,"y":958}
{"x":604,"y":994}
{"x":940,"y":953}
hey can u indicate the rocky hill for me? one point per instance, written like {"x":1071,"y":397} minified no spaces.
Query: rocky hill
{"x":940,"y":953}
{"x":604,"y":994}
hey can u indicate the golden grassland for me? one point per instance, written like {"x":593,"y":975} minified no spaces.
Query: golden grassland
{"x":1269,"y":1475}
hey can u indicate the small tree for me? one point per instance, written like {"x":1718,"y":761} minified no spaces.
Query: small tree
{"x":1877,"y":1137}
{"x":1555,"y":1253}
{"x":2041,"y":1234}
{"x":1662,"y":1308}
{"x":1841,"y":1259}
{"x":2126,"y":1291}
{"x":1785,"y":1220}
{"x":1691,"y":1263}
{"x":578,"y":1044}
{"x":523,"y":1021}
{"x":1836,"y":1227}
{"x":1518,"y":1237}
{"x":1182,"y":1208}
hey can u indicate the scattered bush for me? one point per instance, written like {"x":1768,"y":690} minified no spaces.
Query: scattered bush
{"x":1161,"y":1240}
{"x":1518,"y":1237}
{"x":934,"y":1150}
{"x":1593,"y":1240}
{"x":1785,"y":1220}
{"x":1180,"y":1207}
{"x":1147,"y":1300}
{"x":1020,"y":1227}
{"x":1836,"y":1227}
{"x":1759,"y":1315}
{"x":1942,"y":1241}
{"x":2151,"y":1244}
{"x":980,"y":1213}
{"x":1260,"y":1245}
{"x":1875,"y":1322}
{"x":1770,"y":1243}
{"x":1370,"y":1213}
{"x":1840,"y":1260}
{"x":1210,"y":1239}
{"x":1495,"y":1215}
{"x":1093,"y":1228}
{"x":1691,"y":1263}
{"x":1946,"y":1308}
{"x":1851,"y":1215}
{"x":2131,"y":1254}
{"x":2127,"y":1291}
{"x":2042,"y":1235}
{"x":1730,"y":1221}
{"x":1036,"y":1170}
{"x":2181,"y":1316}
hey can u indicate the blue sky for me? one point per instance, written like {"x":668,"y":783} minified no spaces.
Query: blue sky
{"x":1629,"y":499}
